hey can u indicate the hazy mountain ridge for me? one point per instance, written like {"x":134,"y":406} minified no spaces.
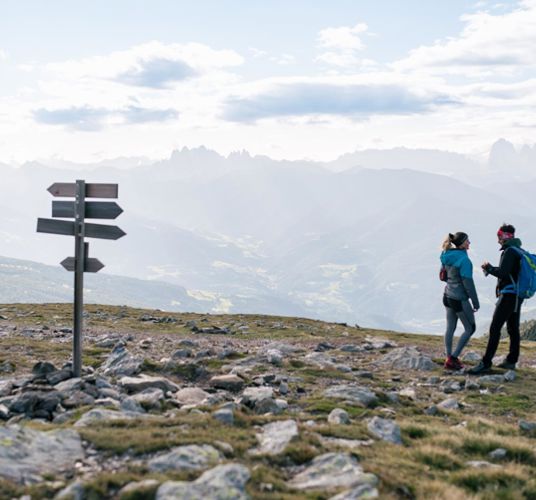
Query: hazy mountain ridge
{"x":357,"y":245}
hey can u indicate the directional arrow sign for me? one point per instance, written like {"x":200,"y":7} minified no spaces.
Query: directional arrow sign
{"x":103,"y":231}
{"x":68,"y":190}
{"x":55,"y":226}
{"x":93,"y":209}
{"x":90,"y":265}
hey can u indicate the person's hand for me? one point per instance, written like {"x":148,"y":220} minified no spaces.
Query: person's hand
{"x":475,"y":309}
{"x":484,"y":264}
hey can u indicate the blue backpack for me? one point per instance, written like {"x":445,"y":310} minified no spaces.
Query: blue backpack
{"x":525,"y":287}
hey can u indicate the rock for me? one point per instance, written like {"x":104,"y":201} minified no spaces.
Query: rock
{"x":384,"y":429}
{"x":42,"y":368}
{"x":74,"y":491}
{"x":121,"y":362}
{"x":510,"y":376}
{"x":471,"y":384}
{"x":274,"y":357}
{"x":491,"y":379}
{"x":228,"y":382}
{"x":283,"y":388}
{"x":431,"y":410}
{"x":363,"y":491}
{"x":100,"y":414}
{"x":109,"y":393}
{"x":351,"y":348}
{"x":224,"y":482}
{"x":324,"y":346}
{"x":68,"y":386}
{"x":472,"y":357}
{"x":526,"y":426}
{"x":76,"y":399}
{"x":61,"y":418}
{"x":131,"y":405}
{"x":139,"y":489}
{"x":269,"y":405}
{"x":4,"y":412}
{"x":36,"y":404}
{"x":182,"y":353}
{"x":143,"y":382}
{"x":27,"y":454}
{"x":191,"y":396}
{"x":331,"y":471}
{"x":6,"y":386}
{"x":185,"y":458}
{"x":355,"y":394}
{"x":253,"y":395}
{"x":345,"y":443}
{"x":150,"y":398}
{"x":7,"y":366}
{"x":449,"y":404}
{"x":58,"y":376}
{"x":224,"y":415}
{"x":275,"y":437}
{"x":408,"y":358}
{"x":498,"y":454}
{"x":408,"y":392}
{"x":482,"y":464}
{"x":338,"y":416}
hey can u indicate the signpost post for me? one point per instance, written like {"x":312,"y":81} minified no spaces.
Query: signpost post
{"x":80,"y":210}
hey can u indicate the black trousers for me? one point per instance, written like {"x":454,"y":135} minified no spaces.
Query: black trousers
{"x":505,"y":312}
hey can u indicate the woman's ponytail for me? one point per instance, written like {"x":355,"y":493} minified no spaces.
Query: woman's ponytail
{"x":447,"y":243}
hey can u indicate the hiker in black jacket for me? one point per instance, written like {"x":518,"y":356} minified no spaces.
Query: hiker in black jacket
{"x":508,"y":307}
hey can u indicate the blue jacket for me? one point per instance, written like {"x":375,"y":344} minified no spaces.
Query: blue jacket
{"x":460,"y":284}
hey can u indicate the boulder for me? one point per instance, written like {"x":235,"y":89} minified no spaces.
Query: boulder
{"x":120,"y":362}
{"x":228,"y":382}
{"x":143,"y":382}
{"x":100,"y":414}
{"x":224,"y":415}
{"x":275,"y":437}
{"x":191,"y":396}
{"x":185,"y":458}
{"x":224,"y":482}
{"x":407,"y":358}
{"x":338,"y":416}
{"x":27,"y":454}
{"x":355,"y":394}
{"x":363,"y":491}
{"x":385,"y":429}
{"x":36,"y":404}
{"x":150,"y":398}
{"x":332,"y":471}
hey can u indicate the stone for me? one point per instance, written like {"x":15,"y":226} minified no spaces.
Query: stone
{"x":120,"y":362}
{"x":498,"y":454}
{"x":331,"y":471}
{"x":345,"y":443}
{"x":324,"y":346}
{"x":7,"y":366}
{"x":185,"y":458}
{"x":143,"y":382}
{"x":232,"y":383}
{"x":449,"y":404}
{"x":471,"y":384}
{"x":101,"y":414}
{"x":472,"y":357}
{"x":362,"y":491}
{"x":42,"y":368}
{"x":351,"y":348}
{"x":526,"y":426}
{"x":431,"y":410}
{"x":131,"y":405}
{"x":491,"y":379}
{"x":274,"y":357}
{"x":27,"y":454}
{"x":4,"y":412}
{"x":182,"y":353}
{"x":74,"y":491}
{"x":275,"y":437}
{"x":68,"y":386}
{"x":224,"y":482}
{"x":191,"y":396}
{"x":6,"y":386}
{"x":355,"y":394}
{"x":510,"y":376}
{"x":268,"y":405}
{"x":283,"y":388}
{"x":106,"y":392}
{"x":385,"y":429}
{"x":408,"y":358}
{"x":482,"y":464}
{"x":139,"y":489}
{"x":58,"y":376}
{"x":338,"y":416}
{"x":36,"y":404}
{"x":76,"y":399}
{"x":408,"y":392}
{"x":224,"y":415}
{"x":151,"y":398}
{"x":253,"y":395}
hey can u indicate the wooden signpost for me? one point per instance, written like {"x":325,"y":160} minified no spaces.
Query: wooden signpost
{"x":80,"y":209}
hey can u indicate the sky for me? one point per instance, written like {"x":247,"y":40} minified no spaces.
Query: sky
{"x":305,"y":79}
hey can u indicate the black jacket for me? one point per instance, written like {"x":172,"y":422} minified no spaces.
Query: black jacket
{"x":508,"y":270}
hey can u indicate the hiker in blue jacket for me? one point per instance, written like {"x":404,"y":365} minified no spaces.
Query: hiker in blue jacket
{"x":460,"y":298}
{"x":508,"y":307}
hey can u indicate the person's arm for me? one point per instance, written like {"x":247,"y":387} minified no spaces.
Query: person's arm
{"x":506,"y":266}
{"x":466,"y":273}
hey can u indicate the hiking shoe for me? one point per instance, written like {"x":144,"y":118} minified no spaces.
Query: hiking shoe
{"x":450,"y":363}
{"x":507,"y":365}
{"x":479,"y":369}
{"x":458,"y":363}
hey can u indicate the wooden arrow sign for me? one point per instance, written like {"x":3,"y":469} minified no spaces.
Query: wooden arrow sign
{"x":90,"y":265}
{"x":68,"y":190}
{"x":103,"y":231}
{"x":53,"y":226}
{"x":93,"y":209}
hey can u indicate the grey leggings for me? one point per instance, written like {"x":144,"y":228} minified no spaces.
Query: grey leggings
{"x":467,"y":317}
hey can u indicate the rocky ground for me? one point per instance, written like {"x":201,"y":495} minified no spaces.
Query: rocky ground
{"x":231,"y":407}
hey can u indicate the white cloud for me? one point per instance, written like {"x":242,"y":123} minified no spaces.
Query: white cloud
{"x":3,"y":54}
{"x":341,"y":46}
{"x":488,"y":45}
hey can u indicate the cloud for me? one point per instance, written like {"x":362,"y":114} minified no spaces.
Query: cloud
{"x":87,"y":118}
{"x":156,"y":73}
{"x":489,"y":44}
{"x":341,"y":45}
{"x":358,"y":101}
{"x":3,"y":55}
{"x":153,"y":64}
